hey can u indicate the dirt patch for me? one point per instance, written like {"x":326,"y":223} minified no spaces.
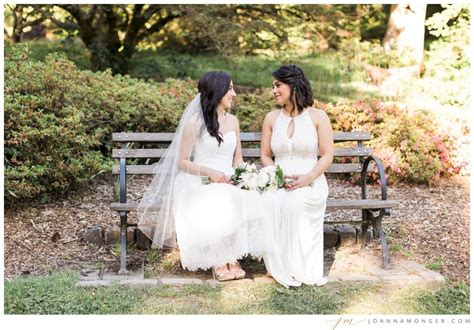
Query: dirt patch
{"x":430,"y":226}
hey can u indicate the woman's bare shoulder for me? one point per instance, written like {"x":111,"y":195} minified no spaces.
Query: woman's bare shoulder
{"x":317,"y":114}
{"x":234,"y":121}
{"x":272,"y":115}
{"x":233,"y":117}
{"x":316,"y":111}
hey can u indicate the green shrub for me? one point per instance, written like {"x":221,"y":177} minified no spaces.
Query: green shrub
{"x":251,"y":109}
{"x":59,"y":120}
{"x":73,"y":49}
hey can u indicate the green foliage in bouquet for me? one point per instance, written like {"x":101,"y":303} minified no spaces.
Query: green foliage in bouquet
{"x":236,"y":177}
{"x":279,"y":176}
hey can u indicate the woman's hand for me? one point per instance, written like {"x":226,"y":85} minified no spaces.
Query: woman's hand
{"x":218,"y":177}
{"x":300,"y":181}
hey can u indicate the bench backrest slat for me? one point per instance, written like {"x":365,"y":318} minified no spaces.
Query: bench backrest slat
{"x":163,"y":140}
{"x":333,"y":168}
{"x":245,"y":137}
{"x":246,"y":152}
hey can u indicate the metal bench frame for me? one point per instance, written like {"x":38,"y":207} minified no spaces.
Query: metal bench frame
{"x":372,"y":210}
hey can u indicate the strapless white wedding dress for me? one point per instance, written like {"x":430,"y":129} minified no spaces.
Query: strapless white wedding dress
{"x":298,"y":215}
{"x":216,"y":223}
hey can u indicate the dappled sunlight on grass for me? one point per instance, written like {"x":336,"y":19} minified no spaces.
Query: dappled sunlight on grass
{"x":189,"y":299}
{"x":382,"y":299}
{"x":411,"y":299}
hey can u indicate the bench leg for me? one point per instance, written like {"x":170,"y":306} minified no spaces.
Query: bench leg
{"x":383,"y":241}
{"x":364,"y":227}
{"x":368,"y":217}
{"x":123,"y":243}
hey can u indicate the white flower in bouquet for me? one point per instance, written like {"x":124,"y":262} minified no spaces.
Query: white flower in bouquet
{"x":270,"y":170}
{"x":263,"y":179}
{"x":251,"y":167}
{"x":248,"y":177}
{"x":249,"y":180}
{"x":274,"y":176}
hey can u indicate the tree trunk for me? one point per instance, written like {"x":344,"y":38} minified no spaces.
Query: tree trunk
{"x":406,"y":30}
{"x":104,"y":56}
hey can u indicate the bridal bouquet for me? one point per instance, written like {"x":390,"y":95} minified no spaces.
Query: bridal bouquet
{"x":248,"y":177}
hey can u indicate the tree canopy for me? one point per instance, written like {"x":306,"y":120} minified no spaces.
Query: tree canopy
{"x":113,"y":33}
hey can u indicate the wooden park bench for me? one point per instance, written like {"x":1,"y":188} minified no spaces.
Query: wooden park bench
{"x":373,"y":210}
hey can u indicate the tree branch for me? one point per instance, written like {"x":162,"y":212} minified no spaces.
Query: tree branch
{"x":157,"y":26}
{"x":68,"y":26}
{"x":131,"y":36}
{"x":127,"y":17}
{"x":150,"y":11}
{"x":91,"y":16}
{"x":75,"y":12}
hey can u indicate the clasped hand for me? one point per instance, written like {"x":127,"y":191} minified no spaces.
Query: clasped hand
{"x":219,"y":177}
{"x":301,"y":181}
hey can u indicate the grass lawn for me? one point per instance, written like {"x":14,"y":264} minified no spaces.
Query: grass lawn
{"x":57,"y":294}
{"x":332,"y":77}
{"x":329,"y":74}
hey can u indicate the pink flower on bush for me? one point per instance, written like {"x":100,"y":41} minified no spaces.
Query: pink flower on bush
{"x":396,"y":169}
{"x":403,"y":144}
{"x":436,"y":138}
{"x":378,"y":105}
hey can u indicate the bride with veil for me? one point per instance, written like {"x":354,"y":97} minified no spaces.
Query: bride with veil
{"x":213,"y":224}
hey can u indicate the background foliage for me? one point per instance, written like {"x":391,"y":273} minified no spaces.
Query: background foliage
{"x":59,"y":115}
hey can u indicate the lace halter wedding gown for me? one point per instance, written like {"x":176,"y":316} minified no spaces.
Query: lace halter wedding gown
{"x":298,"y":215}
{"x":215,"y":223}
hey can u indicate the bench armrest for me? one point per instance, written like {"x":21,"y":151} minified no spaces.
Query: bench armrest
{"x":383,"y":180}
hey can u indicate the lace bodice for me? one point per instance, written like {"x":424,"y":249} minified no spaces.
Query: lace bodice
{"x":298,"y":154}
{"x":207,"y":152}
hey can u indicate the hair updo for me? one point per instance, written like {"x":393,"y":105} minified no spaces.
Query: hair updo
{"x":301,"y":95}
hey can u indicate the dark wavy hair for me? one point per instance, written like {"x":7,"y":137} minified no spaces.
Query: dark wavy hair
{"x":213,"y":86}
{"x":301,"y":95}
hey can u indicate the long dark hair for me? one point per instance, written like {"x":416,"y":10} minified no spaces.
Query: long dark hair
{"x":213,"y":86}
{"x":301,"y":95}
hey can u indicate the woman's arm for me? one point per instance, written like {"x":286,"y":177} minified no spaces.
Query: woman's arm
{"x":326,"y":144}
{"x":265,"y":145}
{"x":326,"y":150}
{"x":238,"y":158}
{"x":185,"y":164}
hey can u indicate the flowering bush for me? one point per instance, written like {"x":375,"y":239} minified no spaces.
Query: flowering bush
{"x":411,"y":145}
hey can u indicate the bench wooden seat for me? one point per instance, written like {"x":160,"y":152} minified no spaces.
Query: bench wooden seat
{"x":331,"y":204}
{"x":360,"y":160}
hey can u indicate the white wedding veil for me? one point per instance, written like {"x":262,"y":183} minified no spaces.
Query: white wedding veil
{"x":155,"y":211}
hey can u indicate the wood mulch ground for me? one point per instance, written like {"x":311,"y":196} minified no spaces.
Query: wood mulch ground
{"x":430,"y":226}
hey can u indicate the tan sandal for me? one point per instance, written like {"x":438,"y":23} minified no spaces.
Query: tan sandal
{"x":221,"y":277}
{"x":239,"y":273}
